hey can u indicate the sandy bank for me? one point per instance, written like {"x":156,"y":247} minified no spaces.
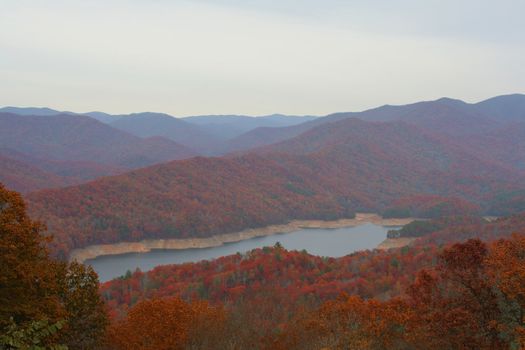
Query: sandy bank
{"x":147,"y":245}
{"x":399,"y":242}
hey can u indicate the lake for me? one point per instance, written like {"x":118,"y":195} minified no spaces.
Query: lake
{"x":323,"y":242}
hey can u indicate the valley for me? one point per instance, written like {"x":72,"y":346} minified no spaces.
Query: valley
{"x":352,"y":203}
{"x":332,"y":242}
{"x":262,"y":175}
{"x":95,"y":251}
{"x":323,"y":238}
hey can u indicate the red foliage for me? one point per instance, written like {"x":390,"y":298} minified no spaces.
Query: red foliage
{"x":430,"y":206}
{"x":472,"y":299}
{"x":327,"y":173}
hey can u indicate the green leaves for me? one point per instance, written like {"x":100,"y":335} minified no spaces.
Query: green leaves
{"x":36,"y":335}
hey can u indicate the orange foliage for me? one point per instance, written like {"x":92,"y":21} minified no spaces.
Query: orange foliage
{"x":167,"y":324}
{"x":349,"y":323}
{"x":269,"y":291}
{"x":472,"y":299}
{"x":34,"y":287}
{"x":28,"y":278}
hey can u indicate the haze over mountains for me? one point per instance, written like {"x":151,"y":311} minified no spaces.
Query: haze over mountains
{"x":69,"y":141}
{"x":76,"y":147}
{"x":262,"y":175}
{"x":445,"y":115}
{"x":206,"y":135}
{"x":128,"y":180}
{"x":437,"y":154}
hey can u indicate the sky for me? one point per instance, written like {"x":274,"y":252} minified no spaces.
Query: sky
{"x":256,"y":57}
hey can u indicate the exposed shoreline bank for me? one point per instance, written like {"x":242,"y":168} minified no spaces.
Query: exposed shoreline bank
{"x":144,"y":246}
{"x":391,"y":243}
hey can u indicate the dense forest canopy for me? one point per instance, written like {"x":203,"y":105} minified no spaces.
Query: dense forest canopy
{"x":266,"y":175}
{"x":435,"y":294}
{"x":457,"y":284}
{"x":329,"y":172}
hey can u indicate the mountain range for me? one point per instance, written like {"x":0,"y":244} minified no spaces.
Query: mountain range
{"x":434,"y":154}
{"x":438,"y":155}
{"x":205,"y":135}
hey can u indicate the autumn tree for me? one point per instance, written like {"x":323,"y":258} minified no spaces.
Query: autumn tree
{"x":86,"y":312}
{"x":506,"y":268}
{"x":168,"y":324}
{"x":349,"y":323}
{"x":28,"y":278}
{"x":474,"y":298}
{"x":456,"y":305}
{"x":38,"y":293}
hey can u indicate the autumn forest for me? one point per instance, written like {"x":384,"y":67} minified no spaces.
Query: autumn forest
{"x":262,"y":175}
{"x":453,"y":279}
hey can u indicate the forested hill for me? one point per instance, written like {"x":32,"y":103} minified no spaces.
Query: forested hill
{"x":267,"y":271}
{"x":404,"y":291}
{"x":67,"y":149}
{"x":329,"y":172}
{"x":442,"y":292}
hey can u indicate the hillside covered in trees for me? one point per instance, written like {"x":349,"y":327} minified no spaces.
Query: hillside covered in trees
{"x":434,"y":294}
{"x":262,"y":175}
{"x":329,"y":172}
{"x":426,"y":296}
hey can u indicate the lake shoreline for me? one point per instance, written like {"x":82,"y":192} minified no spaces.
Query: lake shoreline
{"x":144,"y":246}
{"x":392,"y":243}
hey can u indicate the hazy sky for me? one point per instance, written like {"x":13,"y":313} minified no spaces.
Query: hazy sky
{"x":256,"y":56}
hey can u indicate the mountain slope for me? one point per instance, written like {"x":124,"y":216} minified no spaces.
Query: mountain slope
{"x":262,"y":136}
{"x":25,"y":173}
{"x":158,"y":124}
{"x":402,"y":151}
{"x":23,"y":177}
{"x":103,"y":117}
{"x":508,"y":108}
{"x":80,"y":138}
{"x":229,"y":126}
{"x":447,"y":116}
{"x":329,"y":172}
{"x":506,"y":145}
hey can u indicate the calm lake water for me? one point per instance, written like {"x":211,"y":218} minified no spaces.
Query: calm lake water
{"x":322,"y":242}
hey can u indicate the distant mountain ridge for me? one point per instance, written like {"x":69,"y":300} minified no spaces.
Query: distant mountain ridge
{"x":206,"y":134}
{"x":60,"y":144}
{"x":81,"y":138}
{"x":445,"y":115}
{"x":35,"y":111}
{"x":230,"y":126}
{"x":164,"y":125}
{"x":75,"y":149}
{"x":221,"y":134}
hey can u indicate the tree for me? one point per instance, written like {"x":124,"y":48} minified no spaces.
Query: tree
{"x":349,"y":323}
{"x":39,"y":295}
{"x":168,"y":324}
{"x":456,"y":303}
{"x":28,"y":278}
{"x":86,"y":313}
{"x":506,"y":268}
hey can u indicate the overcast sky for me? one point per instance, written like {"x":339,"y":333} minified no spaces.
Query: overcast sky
{"x":256,"y":56}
